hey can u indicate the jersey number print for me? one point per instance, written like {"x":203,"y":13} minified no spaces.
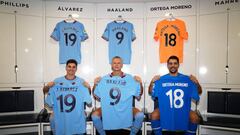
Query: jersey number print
{"x":176,"y":98}
{"x":115,"y":94}
{"x":68,"y":100}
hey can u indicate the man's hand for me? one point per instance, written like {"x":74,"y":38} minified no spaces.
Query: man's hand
{"x":155,"y":78}
{"x":86,"y":84}
{"x":194,"y":79}
{"x":138,"y":79}
{"x":97,"y":80}
{"x":50,"y":84}
{"x":47,"y":87}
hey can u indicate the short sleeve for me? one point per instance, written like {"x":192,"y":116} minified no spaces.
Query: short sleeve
{"x":157,"y":33}
{"x":133,"y":32}
{"x":105,"y":35}
{"x":184,"y":33}
{"x":83,"y":33}
{"x":56,"y":33}
{"x":194,"y":94}
{"x":49,"y":99}
{"x":87,"y":97}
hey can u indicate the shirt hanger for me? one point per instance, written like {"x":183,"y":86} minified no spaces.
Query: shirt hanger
{"x":170,"y":17}
{"x":120,"y":19}
{"x":70,"y":19}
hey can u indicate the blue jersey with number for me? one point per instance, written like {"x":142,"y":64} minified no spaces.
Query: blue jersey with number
{"x":174,"y":95}
{"x":120,"y":36}
{"x":69,"y":35}
{"x":116,"y":95}
{"x":67,"y":98}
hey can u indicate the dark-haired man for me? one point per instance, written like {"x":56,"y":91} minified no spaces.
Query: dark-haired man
{"x":66,"y":97}
{"x":156,"y":87}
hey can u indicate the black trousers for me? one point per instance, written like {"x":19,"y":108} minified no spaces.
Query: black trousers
{"x":173,"y":133}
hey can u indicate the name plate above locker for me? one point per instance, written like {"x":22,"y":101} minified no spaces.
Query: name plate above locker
{"x":63,"y":9}
{"x":129,"y":10}
{"x":26,"y":7}
{"x":214,"y":6}
{"x":177,"y":8}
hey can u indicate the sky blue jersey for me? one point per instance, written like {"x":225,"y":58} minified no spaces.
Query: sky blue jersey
{"x":70,"y":35}
{"x":116,"y":95}
{"x":120,"y":36}
{"x":174,"y":95}
{"x":67,"y":98}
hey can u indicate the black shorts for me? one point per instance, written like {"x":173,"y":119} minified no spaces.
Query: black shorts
{"x":173,"y":132}
{"x":155,"y":103}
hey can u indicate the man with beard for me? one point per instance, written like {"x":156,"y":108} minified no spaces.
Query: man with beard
{"x":174,"y":92}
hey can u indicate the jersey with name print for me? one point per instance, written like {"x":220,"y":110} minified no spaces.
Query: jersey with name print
{"x":174,"y":95}
{"x":70,"y":35}
{"x":116,"y":96}
{"x":67,"y":98}
{"x":171,"y":35}
{"x":120,"y":36}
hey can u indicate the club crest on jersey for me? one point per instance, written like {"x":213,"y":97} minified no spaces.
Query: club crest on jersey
{"x":61,"y":83}
{"x":73,"y":83}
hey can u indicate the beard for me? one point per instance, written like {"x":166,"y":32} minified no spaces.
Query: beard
{"x":173,"y":70}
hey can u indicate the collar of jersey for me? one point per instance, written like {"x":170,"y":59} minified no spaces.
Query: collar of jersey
{"x":70,"y":79}
{"x":69,"y":22}
{"x":120,"y":22}
{"x":179,"y":74}
{"x":122,"y":75}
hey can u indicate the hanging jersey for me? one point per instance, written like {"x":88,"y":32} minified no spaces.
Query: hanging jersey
{"x":171,"y":35}
{"x":70,"y":35}
{"x":174,"y":95}
{"x":67,"y":98}
{"x":116,"y":95}
{"x":120,"y":36}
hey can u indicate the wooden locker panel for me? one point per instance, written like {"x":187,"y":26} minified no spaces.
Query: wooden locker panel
{"x":152,"y":66}
{"x":234,"y":48}
{"x":189,"y":52}
{"x":7,"y":48}
{"x":213,"y":48}
{"x":29,"y":49}
{"x":101,"y":49}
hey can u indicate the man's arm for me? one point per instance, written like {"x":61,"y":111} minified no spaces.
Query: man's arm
{"x":150,"y":87}
{"x":138,"y":79}
{"x":96,"y":81}
{"x":47,"y":87}
{"x":87,"y":85}
{"x":194,"y":79}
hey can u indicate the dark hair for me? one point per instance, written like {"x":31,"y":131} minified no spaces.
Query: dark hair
{"x":174,"y":58}
{"x":71,"y":61}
